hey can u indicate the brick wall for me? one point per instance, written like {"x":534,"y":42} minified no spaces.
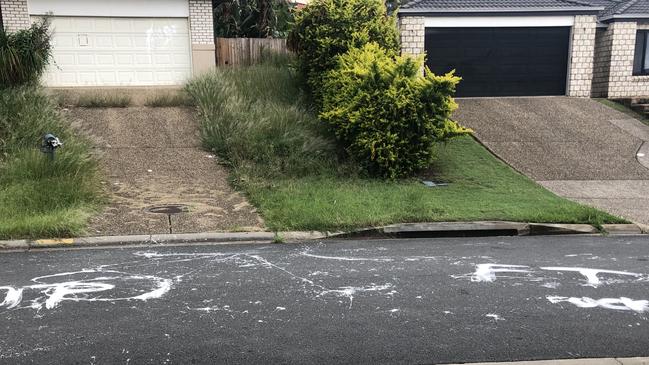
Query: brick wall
{"x":413,"y":32}
{"x":622,"y":83}
{"x":602,"y":66}
{"x":201,"y":21}
{"x":582,"y":54}
{"x":14,"y":14}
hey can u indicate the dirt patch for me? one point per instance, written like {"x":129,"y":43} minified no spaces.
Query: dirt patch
{"x":152,"y":156}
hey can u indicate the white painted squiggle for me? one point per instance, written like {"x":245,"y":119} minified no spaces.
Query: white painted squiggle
{"x":620,"y":304}
{"x":107,"y":282}
{"x":487,"y":272}
{"x":591,"y":275}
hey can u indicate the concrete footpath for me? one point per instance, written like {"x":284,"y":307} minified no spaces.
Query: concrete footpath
{"x":579,"y":149}
{"x":605,"y":361}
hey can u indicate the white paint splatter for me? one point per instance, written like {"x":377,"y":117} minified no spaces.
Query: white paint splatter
{"x":619,"y":304}
{"x":350,"y":291}
{"x":344,"y":258}
{"x":12,"y":298}
{"x":487,"y":272}
{"x":319,"y":273}
{"x":551,"y":285}
{"x":591,"y":275}
{"x":215,"y":308}
{"x":495,"y":317}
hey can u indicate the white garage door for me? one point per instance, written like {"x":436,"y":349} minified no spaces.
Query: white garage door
{"x":97,"y":51}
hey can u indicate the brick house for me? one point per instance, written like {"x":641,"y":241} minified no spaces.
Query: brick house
{"x":121,"y":42}
{"x":581,"y":48}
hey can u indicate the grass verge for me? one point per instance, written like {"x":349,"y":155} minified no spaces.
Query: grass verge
{"x":481,"y":188}
{"x":38,"y":197}
{"x":624,"y":109}
{"x":258,"y":119}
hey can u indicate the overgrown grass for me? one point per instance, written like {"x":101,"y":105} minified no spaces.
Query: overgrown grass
{"x":104,"y":99}
{"x":169,"y":99}
{"x":38,"y":197}
{"x":259,"y":120}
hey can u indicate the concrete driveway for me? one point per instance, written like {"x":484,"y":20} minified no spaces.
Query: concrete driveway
{"x":577,"y":148}
{"x":152,"y":157}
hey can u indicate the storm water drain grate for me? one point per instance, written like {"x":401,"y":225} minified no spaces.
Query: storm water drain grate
{"x":168,"y":209}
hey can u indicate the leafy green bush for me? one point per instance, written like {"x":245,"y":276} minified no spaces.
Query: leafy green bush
{"x":385,"y":113}
{"x":327,"y":28}
{"x":255,"y":119}
{"x":25,"y":54}
{"x":252,"y":18}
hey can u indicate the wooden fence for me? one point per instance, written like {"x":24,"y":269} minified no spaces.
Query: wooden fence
{"x":246,"y":51}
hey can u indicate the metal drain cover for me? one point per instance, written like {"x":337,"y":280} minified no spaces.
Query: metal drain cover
{"x":168,"y":209}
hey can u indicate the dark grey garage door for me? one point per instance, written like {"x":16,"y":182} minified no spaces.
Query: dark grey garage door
{"x":502,"y":61}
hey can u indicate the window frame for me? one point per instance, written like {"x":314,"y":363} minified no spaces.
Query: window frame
{"x":640,"y":60}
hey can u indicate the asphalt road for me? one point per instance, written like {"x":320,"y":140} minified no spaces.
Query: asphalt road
{"x":406,"y":301}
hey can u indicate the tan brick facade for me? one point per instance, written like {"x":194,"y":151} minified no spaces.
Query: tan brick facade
{"x":201,"y":21}
{"x":413,"y":32}
{"x":15,"y":15}
{"x":201,"y":24}
{"x":582,"y":53}
{"x":622,"y":83}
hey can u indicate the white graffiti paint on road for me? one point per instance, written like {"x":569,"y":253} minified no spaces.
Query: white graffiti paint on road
{"x":592,"y":275}
{"x":620,"y":304}
{"x":489,"y":273}
{"x":90,"y":285}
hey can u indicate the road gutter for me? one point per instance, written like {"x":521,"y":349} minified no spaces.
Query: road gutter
{"x":405,"y":230}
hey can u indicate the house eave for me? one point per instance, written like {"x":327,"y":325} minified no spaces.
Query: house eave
{"x":625,"y":17}
{"x":501,"y":11}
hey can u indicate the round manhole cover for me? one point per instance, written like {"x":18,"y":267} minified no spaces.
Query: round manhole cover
{"x":168,"y":209}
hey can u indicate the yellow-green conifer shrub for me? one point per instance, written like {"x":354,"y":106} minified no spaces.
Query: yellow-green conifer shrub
{"x":385,"y":113}
{"x":328,"y":28}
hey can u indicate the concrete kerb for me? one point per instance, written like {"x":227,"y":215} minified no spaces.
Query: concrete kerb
{"x":602,"y":361}
{"x":406,"y":230}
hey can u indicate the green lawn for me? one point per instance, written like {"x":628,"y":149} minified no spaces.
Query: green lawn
{"x":481,"y":188}
{"x":259,"y":121}
{"x":38,"y":197}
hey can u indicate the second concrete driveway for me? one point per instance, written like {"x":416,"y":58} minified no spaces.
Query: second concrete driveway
{"x":577,"y":148}
{"x":152,"y":157}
